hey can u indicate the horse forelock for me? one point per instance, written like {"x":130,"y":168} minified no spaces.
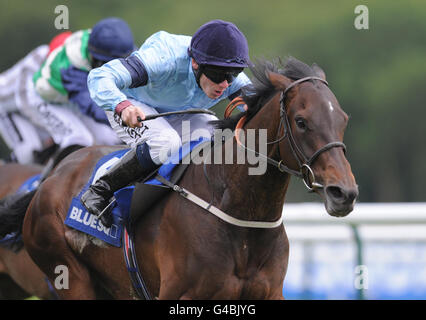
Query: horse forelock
{"x":261,"y":89}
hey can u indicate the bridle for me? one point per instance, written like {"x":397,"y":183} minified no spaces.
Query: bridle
{"x":305,"y":171}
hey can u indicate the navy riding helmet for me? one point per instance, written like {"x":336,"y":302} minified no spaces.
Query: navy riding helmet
{"x":220,"y":43}
{"x":111,"y":38}
{"x":221,"y":51}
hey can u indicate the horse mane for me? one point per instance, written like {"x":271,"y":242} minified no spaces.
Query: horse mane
{"x":256,"y":94}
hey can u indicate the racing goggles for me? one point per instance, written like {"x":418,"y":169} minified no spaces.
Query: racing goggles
{"x":218,"y":75}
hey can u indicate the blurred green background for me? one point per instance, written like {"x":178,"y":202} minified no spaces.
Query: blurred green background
{"x":378,"y":75}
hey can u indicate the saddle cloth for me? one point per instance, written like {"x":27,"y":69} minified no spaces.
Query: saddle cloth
{"x":80,"y":219}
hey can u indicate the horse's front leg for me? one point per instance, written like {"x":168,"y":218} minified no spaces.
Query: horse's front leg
{"x":44,"y":238}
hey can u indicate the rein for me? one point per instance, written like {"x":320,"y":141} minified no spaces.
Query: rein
{"x":305,"y":171}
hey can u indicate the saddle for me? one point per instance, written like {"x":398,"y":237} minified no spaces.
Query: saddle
{"x":146,"y":195}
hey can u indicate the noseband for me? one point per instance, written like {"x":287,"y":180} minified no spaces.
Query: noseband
{"x":305,"y":171}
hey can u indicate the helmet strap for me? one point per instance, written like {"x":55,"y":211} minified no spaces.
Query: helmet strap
{"x":198,"y":73}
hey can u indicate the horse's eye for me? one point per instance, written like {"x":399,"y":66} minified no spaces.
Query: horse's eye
{"x":301,"y":123}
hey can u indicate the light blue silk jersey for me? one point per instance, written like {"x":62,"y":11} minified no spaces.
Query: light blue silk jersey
{"x":171,"y":81}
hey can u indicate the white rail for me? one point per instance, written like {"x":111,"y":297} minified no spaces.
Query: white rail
{"x":363,"y":213}
{"x":374,"y":221}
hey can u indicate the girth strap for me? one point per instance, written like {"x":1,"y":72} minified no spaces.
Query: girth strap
{"x":133,"y":268}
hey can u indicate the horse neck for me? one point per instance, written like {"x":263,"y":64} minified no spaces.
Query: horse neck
{"x":252,"y":196}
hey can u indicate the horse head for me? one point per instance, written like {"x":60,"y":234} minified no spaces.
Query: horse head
{"x":312,"y":126}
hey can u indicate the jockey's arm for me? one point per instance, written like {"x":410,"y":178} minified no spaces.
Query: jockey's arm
{"x":105,"y":85}
{"x":75,"y":82}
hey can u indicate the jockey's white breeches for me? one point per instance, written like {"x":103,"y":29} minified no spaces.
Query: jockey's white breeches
{"x":163,"y":135}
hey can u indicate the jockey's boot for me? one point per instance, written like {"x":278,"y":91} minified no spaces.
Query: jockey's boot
{"x":135,"y":165}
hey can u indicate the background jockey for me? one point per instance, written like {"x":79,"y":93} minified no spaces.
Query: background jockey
{"x":169,"y":72}
{"x":58,"y":97}
{"x":29,"y":143}
{"x":62,"y":79}
{"x":21,"y":135}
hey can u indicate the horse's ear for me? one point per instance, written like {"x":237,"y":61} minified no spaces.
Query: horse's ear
{"x":320,"y":73}
{"x":278,"y":80}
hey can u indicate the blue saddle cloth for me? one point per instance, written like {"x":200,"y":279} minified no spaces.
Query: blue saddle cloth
{"x":30,"y":184}
{"x":79,"y":218}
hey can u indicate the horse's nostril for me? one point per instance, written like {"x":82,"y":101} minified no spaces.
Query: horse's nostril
{"x":352,"y":195}
{"x":335,"y":192}
{"x":341,"y":195}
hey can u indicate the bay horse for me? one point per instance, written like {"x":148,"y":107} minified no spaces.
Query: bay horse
{"x":183,"y":251}
{"x":20,"y":276}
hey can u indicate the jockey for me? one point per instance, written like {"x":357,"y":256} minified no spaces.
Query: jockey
{"x":21,"y":136}
{"x":60,"y":98}
{"x":60,"y":74}
{"x":168,"y":73}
